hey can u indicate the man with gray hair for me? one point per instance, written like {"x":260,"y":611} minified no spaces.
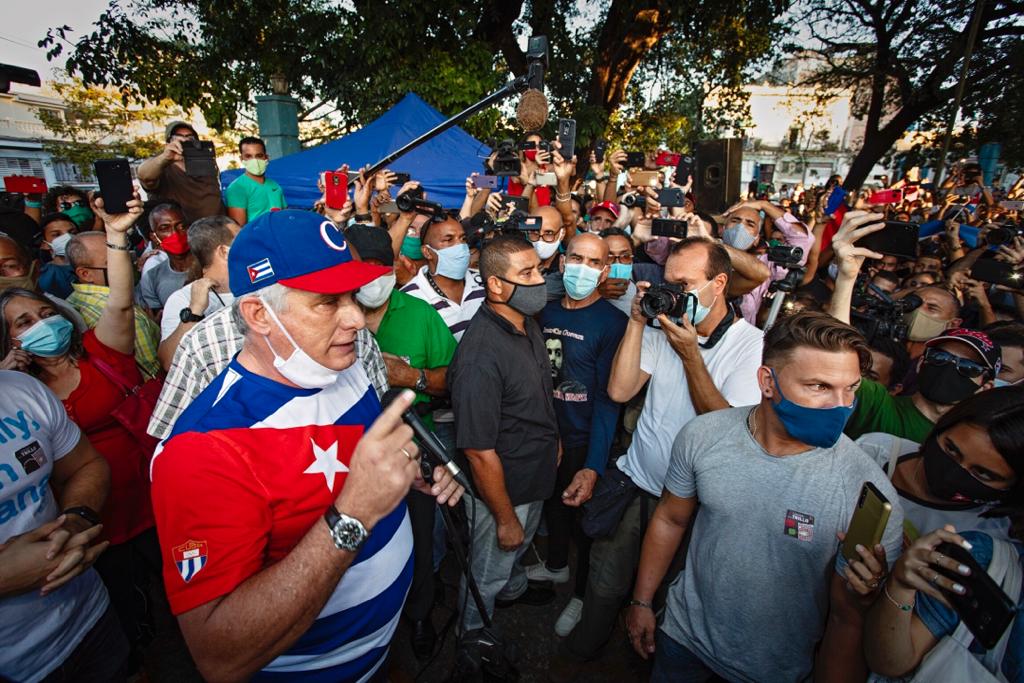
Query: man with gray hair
{"x":275,"y":571}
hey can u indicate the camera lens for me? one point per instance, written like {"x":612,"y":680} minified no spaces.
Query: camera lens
{"x":997,"y":236}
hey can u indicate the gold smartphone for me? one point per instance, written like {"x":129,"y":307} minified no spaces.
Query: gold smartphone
{"x":868,"y":522}
{"x":644,"y":178}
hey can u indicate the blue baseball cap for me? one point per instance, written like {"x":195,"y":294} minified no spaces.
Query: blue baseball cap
{"x":298,"y":249}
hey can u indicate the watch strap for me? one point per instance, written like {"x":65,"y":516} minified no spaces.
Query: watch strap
{"x":85,"y":512}
{"x":187,"y":316}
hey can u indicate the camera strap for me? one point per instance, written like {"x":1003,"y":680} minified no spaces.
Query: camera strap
{"x":720,"y":329}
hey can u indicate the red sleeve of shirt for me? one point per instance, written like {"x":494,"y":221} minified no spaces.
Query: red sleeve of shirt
{"x":832,"y":227}
{"x":212,"y":519}
{"x":123,"y":363}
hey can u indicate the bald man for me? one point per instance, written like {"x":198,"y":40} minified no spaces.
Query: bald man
{"x":547,"y":242}
{"x":581,"y":332}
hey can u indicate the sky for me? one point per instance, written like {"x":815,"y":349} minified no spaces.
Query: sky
{"x":25,"y":23}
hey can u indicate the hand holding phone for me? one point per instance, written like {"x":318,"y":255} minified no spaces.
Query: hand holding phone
{"x":115,"y":180}
{"x":868,"y":522}
{"x":335,"y":189}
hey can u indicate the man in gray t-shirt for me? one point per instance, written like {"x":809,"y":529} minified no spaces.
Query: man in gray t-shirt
{"x":776,"y":482}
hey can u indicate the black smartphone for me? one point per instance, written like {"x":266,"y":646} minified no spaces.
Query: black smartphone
{"x":530,"y":223}
{"x":599,"y":149}
{"x":635,"y":159}
{"x":200,"y":159}
{"x":521,"y":203}
{"x":115,"y":180}
{"x":671,"y":196}
{"x":895,"y":239}
{"x":400,"y":179}
{"x":567,"y":138}
{"x":668,"y":227}
{"x":984,"y":608}
{"x":684,"y":169}
{"x":998,"y":273}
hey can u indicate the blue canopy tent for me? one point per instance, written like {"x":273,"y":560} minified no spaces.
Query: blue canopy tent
{"x":441,"y":164}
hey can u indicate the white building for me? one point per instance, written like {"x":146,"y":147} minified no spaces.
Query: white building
{"x":21,"y":140}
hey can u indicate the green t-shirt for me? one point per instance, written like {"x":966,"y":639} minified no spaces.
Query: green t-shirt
{"x":877,"y":411}
{"x":256,"y":198}
{"x":414,"y":331}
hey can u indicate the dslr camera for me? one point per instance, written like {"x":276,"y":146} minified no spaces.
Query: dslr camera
{"x":881,"y":315}
{"x":785,"y":255}
{"x":412,"y":200}
{"x":634,"y":199}
{"x":506,"y":160}
{"x":1003,"y":234}
{"x":664,"y":298}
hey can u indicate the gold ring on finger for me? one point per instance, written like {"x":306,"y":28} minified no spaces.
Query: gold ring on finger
{"x":408,"y":455}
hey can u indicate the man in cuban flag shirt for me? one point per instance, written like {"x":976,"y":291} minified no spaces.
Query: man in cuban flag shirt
{"x":288,"y":443}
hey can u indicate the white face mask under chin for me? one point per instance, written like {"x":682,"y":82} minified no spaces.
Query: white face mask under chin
{"x":299,"y":368}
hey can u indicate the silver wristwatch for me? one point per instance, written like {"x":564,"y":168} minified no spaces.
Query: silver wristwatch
{"x":348,"y":533}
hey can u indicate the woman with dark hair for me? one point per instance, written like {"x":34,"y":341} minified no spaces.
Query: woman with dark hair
{"x":87,"y":372}
{"x":967,"y":473}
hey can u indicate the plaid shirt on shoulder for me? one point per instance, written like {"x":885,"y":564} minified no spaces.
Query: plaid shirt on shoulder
{"x":90,"y":300}
{"x":208,"y":348}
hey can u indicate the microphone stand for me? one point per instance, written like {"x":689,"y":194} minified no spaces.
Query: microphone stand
{"x":534,"y":74}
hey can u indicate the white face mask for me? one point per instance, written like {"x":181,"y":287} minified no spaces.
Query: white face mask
{"x":60,"y":243}
{"x":299,"y":368}
{"x":546,"y":250}
{"x":374,"y":294}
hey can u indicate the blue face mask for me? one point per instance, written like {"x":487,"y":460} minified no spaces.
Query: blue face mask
{"x":580,"y":280}
{"x":48,"y":338}
{"x":819,"y":427}
{"x":695,"y":310}
{"x":737,"y":237}
{"x":453,"y":261}
{"x":1004,"y":383}
{"x":621,"y":271}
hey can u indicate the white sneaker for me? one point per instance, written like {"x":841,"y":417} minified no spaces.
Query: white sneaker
{"x":540,"y":572}
{"x":569,"y":617}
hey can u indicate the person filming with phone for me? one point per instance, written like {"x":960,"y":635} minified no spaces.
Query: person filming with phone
{"x":164,"y":176}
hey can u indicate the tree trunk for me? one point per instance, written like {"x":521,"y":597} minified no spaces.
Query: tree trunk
{"x":876,"y":144}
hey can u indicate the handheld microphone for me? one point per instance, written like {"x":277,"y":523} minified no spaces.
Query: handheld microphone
{"x":428,"y":442}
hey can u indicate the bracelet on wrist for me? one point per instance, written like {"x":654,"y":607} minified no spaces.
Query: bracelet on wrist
{"x":900,"y":605}
{"x":125,"y":247}
{"x":640,"y":603}
{"x":359,"y":217}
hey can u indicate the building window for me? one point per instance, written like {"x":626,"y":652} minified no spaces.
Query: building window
{"x":20,"y":166}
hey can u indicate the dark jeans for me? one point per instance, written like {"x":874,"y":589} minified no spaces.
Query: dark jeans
{"x":422,"y":509}
{"x":563,"y":522}
{"x":101,"y":657}
{"x":127,"y":570}
{"x":675,"y":663}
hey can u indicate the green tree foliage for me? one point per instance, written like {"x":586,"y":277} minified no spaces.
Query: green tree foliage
{"x":640,"y":69}
{"x":903,"y":58}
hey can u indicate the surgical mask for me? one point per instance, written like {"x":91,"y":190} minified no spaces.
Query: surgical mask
{"x":546,"y":250}
{"x":299,"y":368}
{"x":949,"y":481}
{"x":59,"y":244}
{"x":176,"y":243}
{"x":374,"y":294}
{"x":621,"y":271}
{"x":1004,"y":383}
{"x":19,"y":282}
{"x":738,"y":237}
{"x":922,"y":327}
{"x":695,"y":310}
{"x":658,"y":249}
{"x":527,"y":299}
{"x":453,"y":261}
{"x":944,"y":384}
{"x":819,"y":427}
{"x":256,"y":166}
{"x":48,"y":338}
{"x":81,"y":216}
{"x":411,"y":248}
{"x":580,"y":280}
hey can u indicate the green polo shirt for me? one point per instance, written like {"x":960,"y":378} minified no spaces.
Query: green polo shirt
{"x":413,"y":330}
{"x":877,"y":411}
{"x":256,"y":198}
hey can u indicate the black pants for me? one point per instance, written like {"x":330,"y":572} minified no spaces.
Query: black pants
{"x":99,"y":658}
{"x":422,"y":509}
{"x":563,"y":521}
{"x":128,"y":570}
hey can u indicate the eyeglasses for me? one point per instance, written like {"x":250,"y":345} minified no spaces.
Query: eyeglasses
{"x":544,"y":236}
{"x":964,"y":366}
{"x":626,"y":258}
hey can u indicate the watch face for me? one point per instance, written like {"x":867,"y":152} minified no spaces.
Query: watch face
{"x":348,"y":534}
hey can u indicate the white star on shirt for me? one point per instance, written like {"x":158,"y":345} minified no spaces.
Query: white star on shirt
{"x":325,"y":462}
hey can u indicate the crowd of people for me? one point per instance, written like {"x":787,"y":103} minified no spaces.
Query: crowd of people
{"x":679,"y":409}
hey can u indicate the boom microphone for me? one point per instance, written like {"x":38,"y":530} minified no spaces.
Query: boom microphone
{"x":427,"y":440}
{"x":532,"y":112}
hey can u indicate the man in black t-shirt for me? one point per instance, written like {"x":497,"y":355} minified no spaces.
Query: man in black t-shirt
{"x":505,"y":424}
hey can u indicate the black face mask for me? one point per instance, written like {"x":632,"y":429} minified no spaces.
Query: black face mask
{"x":944,"y":384}
{"x":949,"y":481}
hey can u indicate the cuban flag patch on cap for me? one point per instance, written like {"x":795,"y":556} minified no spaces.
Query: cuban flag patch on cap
{"x":190,"y":558}
{"x":260,"y":270}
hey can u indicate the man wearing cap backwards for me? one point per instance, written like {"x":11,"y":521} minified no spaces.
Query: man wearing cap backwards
{"x":417,"y":348}
{"x":164,"y":177}
{"x":279,"y":494}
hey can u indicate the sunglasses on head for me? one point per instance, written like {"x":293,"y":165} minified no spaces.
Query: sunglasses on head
{"x":965,"y":366}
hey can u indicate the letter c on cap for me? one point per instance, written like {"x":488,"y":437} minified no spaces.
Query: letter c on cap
{"x":327,"y":239}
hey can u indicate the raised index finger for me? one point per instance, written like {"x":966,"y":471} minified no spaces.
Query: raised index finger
{"x":391,"y":417}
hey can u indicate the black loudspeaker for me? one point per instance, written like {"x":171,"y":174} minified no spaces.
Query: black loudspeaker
{"x":718,"y":174}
